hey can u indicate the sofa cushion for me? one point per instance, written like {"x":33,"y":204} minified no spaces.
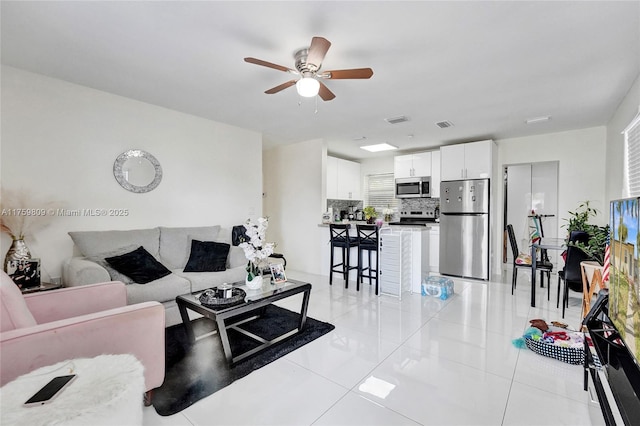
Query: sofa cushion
{"x":207,"y":256}
{"x":163,"y":290}
{"x":139,"y":265}
{"x":204,"y":280}
{"x":175,"y":243}
{"x":93,"y":243}
{"x":236,"y":258}
{"x":236,"y":254}
{"x":115,"y":275}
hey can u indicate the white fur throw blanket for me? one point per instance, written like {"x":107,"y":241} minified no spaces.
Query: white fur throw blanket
{"x":108,"y":391}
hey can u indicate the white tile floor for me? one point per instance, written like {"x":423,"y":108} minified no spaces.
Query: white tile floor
{"x":418,"y":361}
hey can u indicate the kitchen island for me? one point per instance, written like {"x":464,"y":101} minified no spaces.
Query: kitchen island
{"x":408,"y":253}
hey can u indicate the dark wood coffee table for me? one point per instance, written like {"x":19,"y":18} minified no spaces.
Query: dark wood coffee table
{"x":232,"y":317}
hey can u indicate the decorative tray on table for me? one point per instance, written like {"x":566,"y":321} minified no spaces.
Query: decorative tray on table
{"x":211,"y":298}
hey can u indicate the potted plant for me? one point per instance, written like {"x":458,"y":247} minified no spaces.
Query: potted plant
{"x":370,"y":214}
{"x":579,"y":221}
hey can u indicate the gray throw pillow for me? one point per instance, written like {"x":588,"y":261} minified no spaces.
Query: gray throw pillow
{"x":115,"y":275}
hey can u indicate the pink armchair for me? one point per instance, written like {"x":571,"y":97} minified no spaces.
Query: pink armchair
{"x":44,"y":328}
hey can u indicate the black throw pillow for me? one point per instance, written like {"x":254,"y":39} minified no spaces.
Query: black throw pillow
{"x":207,"y":256}
{"x":239,"y":235}
{"x":139,"y":265}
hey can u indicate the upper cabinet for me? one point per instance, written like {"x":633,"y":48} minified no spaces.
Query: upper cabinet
{"x":466,"y":161}
{"x":412,"y":165}
{"x":343,"y":179}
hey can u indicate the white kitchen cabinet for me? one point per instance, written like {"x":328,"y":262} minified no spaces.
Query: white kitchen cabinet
{"x":332,"y":177}
{"x":412,"y":165}
{"x":343,"y":179}
{"x":466,"y":161}
{"x":349,"y":180}
{"x":402,"y":166}
{"x":435,"y":174}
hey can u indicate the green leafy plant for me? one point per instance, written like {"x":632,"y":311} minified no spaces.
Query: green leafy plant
{"x":370,"y":212}
{"x":579,"y":221}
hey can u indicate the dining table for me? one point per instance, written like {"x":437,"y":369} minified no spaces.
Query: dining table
{"x":545,"y":243}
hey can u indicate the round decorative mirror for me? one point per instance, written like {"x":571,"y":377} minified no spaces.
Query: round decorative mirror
{"x":137,"y":171}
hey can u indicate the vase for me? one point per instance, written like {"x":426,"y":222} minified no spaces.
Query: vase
{"x":17,"y":251}
{"x":255,"y":283}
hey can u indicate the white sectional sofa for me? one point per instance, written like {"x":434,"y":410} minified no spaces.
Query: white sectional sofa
{"x":170,"y":246}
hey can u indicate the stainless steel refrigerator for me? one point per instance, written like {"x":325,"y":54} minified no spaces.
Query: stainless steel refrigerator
{"x":464,"y":228}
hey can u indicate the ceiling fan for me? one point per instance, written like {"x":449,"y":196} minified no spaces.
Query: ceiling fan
{"x":308,"y":63}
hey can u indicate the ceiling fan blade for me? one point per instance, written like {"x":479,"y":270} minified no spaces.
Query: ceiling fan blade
{"x":325,"y":93}
{"x":280,"y":87}
{"x":317,"y":50}
{"x":269,"y":65}
{"x":347,"y":74}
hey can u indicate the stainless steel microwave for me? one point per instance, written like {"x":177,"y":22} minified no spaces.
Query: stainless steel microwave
{"x":413,"y":187}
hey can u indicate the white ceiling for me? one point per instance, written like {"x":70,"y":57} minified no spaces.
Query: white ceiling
{"x":485,"y":66}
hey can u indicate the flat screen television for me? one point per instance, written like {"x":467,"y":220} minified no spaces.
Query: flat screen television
{"x":623,"y":351}
{"x":624,"y":273}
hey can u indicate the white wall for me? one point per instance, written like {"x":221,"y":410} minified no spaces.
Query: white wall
{"x":61,"y":140}
{"x":616,"y":163}
{"x":295,"y":197}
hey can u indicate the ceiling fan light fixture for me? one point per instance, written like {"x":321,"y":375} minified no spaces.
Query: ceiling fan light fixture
{"x":379,"y":147}
{"x":308,"y":87}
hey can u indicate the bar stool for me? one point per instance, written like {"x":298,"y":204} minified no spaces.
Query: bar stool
{"x":340,"y":239}
{"x":367,"y":241}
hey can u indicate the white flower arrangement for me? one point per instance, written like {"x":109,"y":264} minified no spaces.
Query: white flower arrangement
{"x":256,"y":250}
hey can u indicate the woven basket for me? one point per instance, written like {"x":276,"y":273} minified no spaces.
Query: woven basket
{"x":569,"y":355}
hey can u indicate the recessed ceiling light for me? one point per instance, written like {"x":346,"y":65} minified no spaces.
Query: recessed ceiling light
{"x":538,"y":119}
{"x":379,"y":147}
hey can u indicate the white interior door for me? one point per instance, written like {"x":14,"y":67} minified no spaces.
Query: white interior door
{"x":518,"y":204}
{"x":531,"y":187}
{"x":544,"y":199}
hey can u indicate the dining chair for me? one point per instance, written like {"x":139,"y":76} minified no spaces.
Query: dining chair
{"x":544,"y":269}
{"x":571,"y":274}
{"x":544,"y":256}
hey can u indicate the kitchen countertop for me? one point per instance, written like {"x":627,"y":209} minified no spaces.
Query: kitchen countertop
{"x":386,"y":225}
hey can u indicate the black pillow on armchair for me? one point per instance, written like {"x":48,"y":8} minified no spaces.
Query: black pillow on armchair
{"x":139,"y":265}
{"x":207,"y":256}
{"x":239,"y":235}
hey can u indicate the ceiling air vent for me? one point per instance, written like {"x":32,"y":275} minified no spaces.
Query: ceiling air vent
{"x":444,"y":124}
{"x":396,"y":120}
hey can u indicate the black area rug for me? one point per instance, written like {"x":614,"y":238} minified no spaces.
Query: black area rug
{"x":196,"y":371}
